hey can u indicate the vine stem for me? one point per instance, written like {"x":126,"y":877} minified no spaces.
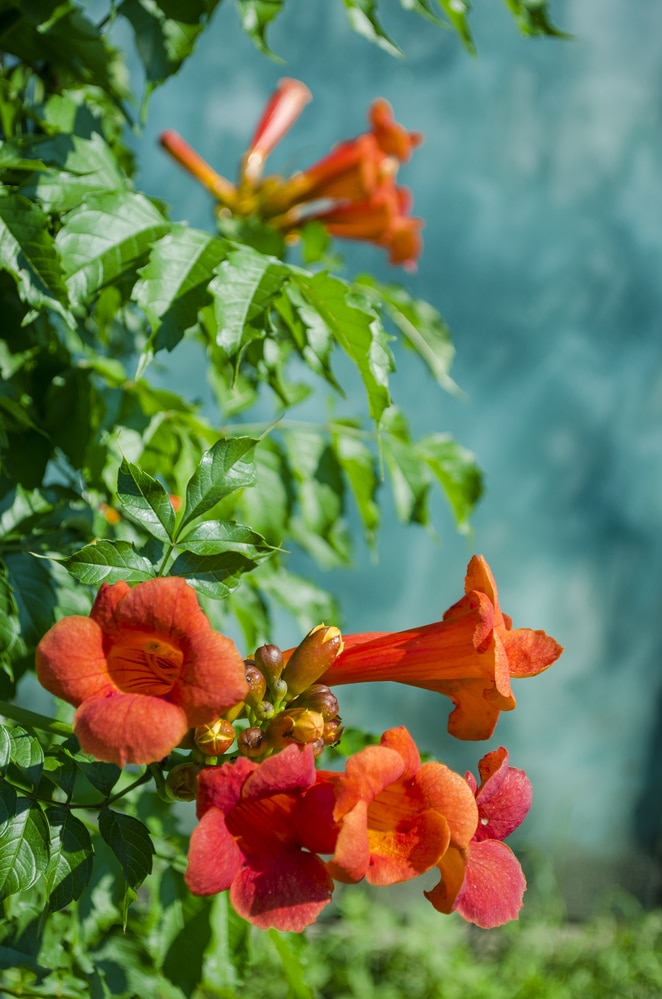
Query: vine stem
{"x":34,"y":720}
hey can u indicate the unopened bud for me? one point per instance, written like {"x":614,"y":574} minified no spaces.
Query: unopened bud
{"x":182,"y":781}
{"x":214,"y":739}
{"x":333,"y":731}
{"x":251,"y":742}
{"x":320,"y":698}
{"x":269,"y":660}
{"x":264,"y":710}
{"x":279,"y":690}
{"x":257,"y":685}
{"x":300,"y":725}
{"x":318,"y":747}
{"x":312,"y":658}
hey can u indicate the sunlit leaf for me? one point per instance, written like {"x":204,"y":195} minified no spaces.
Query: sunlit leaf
{"x":228,"y":466}
{"x":23,"y":842}
{"x":146,"y":500}
{"x":363,"y":18}
{"x":75,"y":167}
{"x":165,"y":32}
{"x":359,"y":465}
{"x":29,"y":254}
{"x":457,"y":472}
{"x":214,"y":536}
{"x":215,"y":575}
{"x":26,"y":754}
{"x":256,"y":16}
{"x":108,"y":561}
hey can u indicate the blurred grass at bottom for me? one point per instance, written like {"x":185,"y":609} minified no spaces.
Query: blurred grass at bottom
{"x":393,"y":945}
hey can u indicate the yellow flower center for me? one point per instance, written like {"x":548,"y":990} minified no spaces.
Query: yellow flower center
{"x":144,"y":664}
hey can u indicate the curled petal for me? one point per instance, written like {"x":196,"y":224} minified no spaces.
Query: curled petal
{"x":129,"y":728}
{"x":504,"y":796}
{"x":453,"y":867}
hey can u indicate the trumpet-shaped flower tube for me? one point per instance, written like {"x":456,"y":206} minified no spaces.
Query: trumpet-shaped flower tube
{"x":485,"y":882}
{"x":469,"y":656}
{"x":394,"y":817}
{"x":142,"y":669}
{"x":249,"y":840}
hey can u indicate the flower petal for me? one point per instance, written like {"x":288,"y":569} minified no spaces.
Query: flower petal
{"x":530,"y":652}
{"x":71,"y":662}
{"x":452,"y":866}
{"x":286,"y":889}
{"x":214,"y":859}
{"x":293,"y":769}
{"x":504,"y":797}
{"x":129,"y":728}
{"x":411,"y":848}
{"x":494,"y":885}
{"x":448,"y":793}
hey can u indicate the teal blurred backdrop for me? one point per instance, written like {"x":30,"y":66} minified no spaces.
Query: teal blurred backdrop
{"x":539,"y":183}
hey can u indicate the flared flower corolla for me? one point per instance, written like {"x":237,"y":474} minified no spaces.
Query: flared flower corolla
{"x":142,"y":669}
{"x":469,"y":656}
{"x":394,"y":817}
{"x":351,"y":190}
{"x":485,"y":882}
{"x":249,"y":840}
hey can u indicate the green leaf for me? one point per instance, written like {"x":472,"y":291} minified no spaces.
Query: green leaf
{"x":102,"y":776}
{"x":76,"y":167}
{"x":289,"y":949}
{"x":173,"y":286}
{"x":532,"y":18}
{"x":183,"y":962}
{"x":70,"y":865}
{"x":457,"y":13}
{"x":410,"y":476}
{"x":214,"y":575}
{"x":106,"y":238}
{"x":228,"y":953}
{"x":223,"y":469}
{"x":23,"y":842}
{"x":146,"y":500}
{"x":358,"y":332}
{"x":457,"y":472}
{"x":165,"y":32}
{"x":5,"y":749}
{"x":131,"y":843}
{"x":212,"y":537}
{"x":308,"y":603}
{"x":107,"y":561}
{"x":26,"y":754}
{"x":256,"y":16}
{"x":363,"y":18}
{"x":268,"y":505}
{"x":359,"y":465}
{"x":29,"y":254}
{"x":420,"y":323}
{"x":34,"y":592}
{"x":244,"y":285}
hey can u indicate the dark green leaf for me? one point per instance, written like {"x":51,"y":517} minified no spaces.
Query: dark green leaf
{"x":165,"y":32}
{"x":102,"y":776}
{"x":76,"y":167}
{"x":130,"y":842}
{"x":26,"y":754}
{"x":215,"y":575}
{"x":244,"y":286}
{"x":268,"y":504}
{"x":173,"y":287}
{"x":410,"y":476}
{"x":28,"y":253}
{"x":358,"y":332}
{"x":70,"y":865}
{"x":23,"y":842}
{"x":107,"y":561}
{"x":146,"y":500}
{"x":457,"y":472}
{"x":183,"y":963}
{"x":223,"y":469}
{"x":212,"y":537}
{"x":34,"y":593}
{"x":107,"y":237}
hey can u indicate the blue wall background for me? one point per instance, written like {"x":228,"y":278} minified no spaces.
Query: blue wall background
{"x":539,"y":183}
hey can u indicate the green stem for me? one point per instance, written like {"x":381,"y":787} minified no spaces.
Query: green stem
{"x":166,"y":558}
{"x":33,"y":720}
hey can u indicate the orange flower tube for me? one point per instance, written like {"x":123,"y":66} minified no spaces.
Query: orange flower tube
{"x":469,"y":656}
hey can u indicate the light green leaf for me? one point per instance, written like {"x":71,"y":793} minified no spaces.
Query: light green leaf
{"x":131,"y":843}
{"x":26,"y":754}
{"x":29,"y":254}
{"x":358,"y":332}
{"x":214,"y":575}
{"x":256,"y":16}
{"x":289,"y":948}
{"x":410,"y":476}
{"x":359,"y":465}
{"x":146,"y":500}
{"x":457,"y":472}
{"x":268,"y":505}
{"x":363,"y":18}
{"x":23,"y":842}
{"x":228,"y":953}
{"x":532,"y":18}
{"x":457,"y":12}
{"x":5,"y":749}
{"x":212,"y":537}
{"x":76,"y":167}
{"x":173,"y":286}
{"x":70,"y":865}
{"x":228,"y":466}
{"x":108,"y":561}
{"x":106,"y":238}
{"x":244,"y":285}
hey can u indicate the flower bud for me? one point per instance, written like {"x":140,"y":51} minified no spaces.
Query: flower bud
{"x":320,"y":698}
{"x":312,"y":658}
{"x":318,"y":747}
{"x":264,"y":710}
{"x":269,"y":660}
{"x":333,"y":730}
{"x":216,"y":738}
{"x":298,"y":725}
{"x":257,"y":685}
{"x":251,"y":742}
{"x":278,"y":690}
{"x":182,"y":781}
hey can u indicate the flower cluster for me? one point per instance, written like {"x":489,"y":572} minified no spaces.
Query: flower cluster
{"x":352,"y":191}
{"x":147,"y":673}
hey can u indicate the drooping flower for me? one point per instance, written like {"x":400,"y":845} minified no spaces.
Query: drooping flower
{"x":351,"y":190}
{"x":470,"y":656}
{"x":485,"y":882}
{"x":394,"y":818}
{"x":142,"y":669}
{"x":249,"y":840}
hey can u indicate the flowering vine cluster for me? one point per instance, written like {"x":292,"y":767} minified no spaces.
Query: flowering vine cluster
{"x":147,"y":673}
{"x":352,"y":191}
